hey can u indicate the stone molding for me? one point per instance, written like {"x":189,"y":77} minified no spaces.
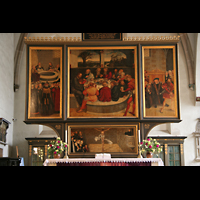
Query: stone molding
{"x":78,"y":39}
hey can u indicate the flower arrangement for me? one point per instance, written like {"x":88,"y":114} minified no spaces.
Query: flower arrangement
{"x":57,"y":147}
{"x":150,"y":145}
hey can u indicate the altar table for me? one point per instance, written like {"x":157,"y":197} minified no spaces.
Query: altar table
{"x":105,"y":162}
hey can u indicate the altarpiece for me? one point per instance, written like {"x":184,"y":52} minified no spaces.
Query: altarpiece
{"x":102,"y":95}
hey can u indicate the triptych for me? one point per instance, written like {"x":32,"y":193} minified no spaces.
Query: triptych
{"x":95,"y":82}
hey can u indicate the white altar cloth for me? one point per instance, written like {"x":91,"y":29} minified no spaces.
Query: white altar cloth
{"x":53,"y":162}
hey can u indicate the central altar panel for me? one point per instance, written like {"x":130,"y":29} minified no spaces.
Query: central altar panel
{"x":102,"y":82}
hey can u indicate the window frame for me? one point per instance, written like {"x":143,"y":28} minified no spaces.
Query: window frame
{"x":36,"y":161}
{"x":38,"y":142}
{"x":171,"y":141}
{"x":174,"y":153}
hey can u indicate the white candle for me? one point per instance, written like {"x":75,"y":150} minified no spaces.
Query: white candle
{"x":17,"y":151}
{"x":139,"y":136}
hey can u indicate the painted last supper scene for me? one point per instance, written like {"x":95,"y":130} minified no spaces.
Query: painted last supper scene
{"x":102,"y":82}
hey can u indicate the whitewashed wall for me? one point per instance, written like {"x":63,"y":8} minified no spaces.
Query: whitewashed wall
{"x":6,"y":85}
{"x":189,"y":112}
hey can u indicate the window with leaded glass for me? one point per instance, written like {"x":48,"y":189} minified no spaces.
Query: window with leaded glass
{"x":38,"y":156}
{"x":174,"y":155}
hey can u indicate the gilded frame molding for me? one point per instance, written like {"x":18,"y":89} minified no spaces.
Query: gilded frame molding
{"x":172,"y":38}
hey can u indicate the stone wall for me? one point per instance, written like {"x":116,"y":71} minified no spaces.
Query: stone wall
{"x":6,"y":85}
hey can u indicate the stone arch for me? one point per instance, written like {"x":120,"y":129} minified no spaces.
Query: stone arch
{"x":197,"y":67}
{"x":45,"y":129}
{"x":189,"y":58}
{"x":17,"y":58}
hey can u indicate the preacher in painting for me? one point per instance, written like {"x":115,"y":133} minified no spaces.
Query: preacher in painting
{"x":156,"y":88}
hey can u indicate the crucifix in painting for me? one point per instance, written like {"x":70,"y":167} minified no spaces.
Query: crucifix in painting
{"x":87,"y":141}
{"x":102,"y":137}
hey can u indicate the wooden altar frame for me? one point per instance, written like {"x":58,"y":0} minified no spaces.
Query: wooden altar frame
{"x":58,"y":124}
{"x":86,"y":126}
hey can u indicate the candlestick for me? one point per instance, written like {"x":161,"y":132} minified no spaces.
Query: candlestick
{"x":139,"y":151}
{"x":66,"y":156}
{"x":17,"y":151}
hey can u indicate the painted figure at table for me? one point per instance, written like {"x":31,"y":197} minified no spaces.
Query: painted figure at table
{"x":105,"y":93}
{"x":89,"y":76}
{"x":90,"y":94}
{"x":51,"y":67}
{"x":121,"y":75}
{"x":98,"y":73}
{"x":115,"y":75}
{"x":39,"y":67}
{"x":77,"y":88}
{"x":122,"y":87}
{"x":107,"y":74}
{"x":114,"y":91}
{"x":131,"y":89}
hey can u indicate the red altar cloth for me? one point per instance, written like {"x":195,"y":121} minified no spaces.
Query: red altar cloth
{"x":106,"y":164}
